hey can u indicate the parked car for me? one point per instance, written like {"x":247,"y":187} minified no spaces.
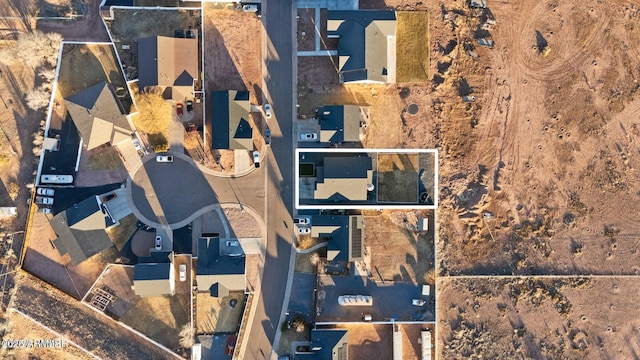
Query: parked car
{"x":267,"y":110}
{"x":302,"y":220}
{"x":304,"y":230}
{"x":179,"y":109}
{"x":267,"y":137}
{"x":250,"y":8}
{"x":158,"y":243}
{"x":418,"y":302}
{"x":232,"y":243}
{"x":44,"y":210}
{"x":189,"y":105}
{"x":109,"y":197}
{"x":256,"y":158}
{"x":56,"y":179}
{"x":136,"y":144}
{"x":164,"y":158}
{"x":45,"y":192}
{"x":43,"y":200}
{"x":183,"y":272}
{"x":308,"y":136}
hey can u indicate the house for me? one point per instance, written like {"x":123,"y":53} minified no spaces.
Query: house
{"x":366,"y":44}
{"x":344,"y":235}
{"x":230,"y":120}
{"x":217,"y":273}
{"x":168,"y":63}
{"x":154,"y":279}
{"x":99,"y":116}
{"x":339,"y":123}
{"x":344,"y":178}
{"x":327,"y":344}
{"x":81,"y":230}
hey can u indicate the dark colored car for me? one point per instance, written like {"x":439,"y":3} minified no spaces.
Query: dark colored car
{"x":109,"y":197}
{"x":179,"y":109}
{"x":189,"y":106}
{"x":267,"y":137}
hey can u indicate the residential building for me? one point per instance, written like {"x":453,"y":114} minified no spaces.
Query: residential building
{"x":154,"y":279}
{"x":344,"y":178}
{"x":327,"y":344}
{"x":169,"y":63}
{"x":366,"y":44}
{"x":339,"y":123}
{"x":344,"y":235}
{"x":230,"y":120}
{"x":217,"y":273}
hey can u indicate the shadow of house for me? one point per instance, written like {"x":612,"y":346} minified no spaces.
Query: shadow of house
{"x":343,"y":234}
{"x":154,"y":279}
{"x":327,"y":344}
{"x":216,"y":273}
{"x":366,"y":44}
{"x":229,"y":122}
{"x":168,"y":63}
{"x":344,"y":177}
{"x":81,"y":230}
{"x":340,"y":123}
{"x":99,"y":116}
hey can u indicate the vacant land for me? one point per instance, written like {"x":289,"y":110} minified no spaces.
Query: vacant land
{"x":233,"y":51}
{"x":133,"y":24}
{"x":98,"y":334}
{"x":535,"y":318}
{"x":412,"y":46}
{"x":215,"y":315}
{"x":241,"y":223}
{"x":398,"y":251}
{"x":397,"y":177}
{"x":369,"y":341}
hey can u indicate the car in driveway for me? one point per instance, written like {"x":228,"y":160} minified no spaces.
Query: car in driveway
{"x":179,"y":110}
{"x":256,"y":158}
{"x":109,"y":197}
{"x":158,"y":243}
{"x":304,"y":230}
{"x":250,"y":8}
{"x":137,"y":146}
{"x":183,"y":272}
{"x":232,"y":243}
{"x":189,"y":106}
{"x":308,"y":136}
{"x":164,"y":158}
{"x":267,"y":110}
{"x":267,"y":137}
{"x":303,"y":220}
{"x":45,"y":192}
{"x":43,"y":200}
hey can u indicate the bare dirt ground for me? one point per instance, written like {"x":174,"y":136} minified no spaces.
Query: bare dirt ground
{"x":411,"y":340}
{"x":538,"y":318}
{"x":398,"y":250}
{"x":368,"y":341}
{"x":214,"y":315}
{"x":233,"y":51}
{"x":241,"y":223}
{"x":397,"y":177}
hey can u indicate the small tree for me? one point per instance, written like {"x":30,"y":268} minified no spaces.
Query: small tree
{"x":298,"y":324}
{"x":38,"y":99}
{"x":186,"y":336}
{"x":314,"y":259}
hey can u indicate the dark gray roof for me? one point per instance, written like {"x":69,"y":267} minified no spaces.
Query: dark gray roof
{"x":230,"y":125}
{"x":344,"y":242}
{"x":81,"y":230}
{"x":210,"y":262}
{"x":167,"y":61}
{"x":363,"y":39}
{"x":347,"y":167}
{"x":332,"y":344}
{"x":152,"y":279}
{"x":93,"y":110}
{"x":342,"y":120}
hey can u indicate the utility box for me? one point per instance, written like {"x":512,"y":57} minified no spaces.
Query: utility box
{"x":423,"y":224}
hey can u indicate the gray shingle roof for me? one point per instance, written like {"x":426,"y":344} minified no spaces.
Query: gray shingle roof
{"x":230,"y":115}
{"x":222,"y":272}
{"x":152,"y":279}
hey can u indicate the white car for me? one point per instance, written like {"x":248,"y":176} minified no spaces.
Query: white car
{"x":302,"y":220}
{"x":43,"y":200}
{"x":308,"y":136}
{"x":45,"y":192}
{"x":158,"y":243}
{"x":56,"y":179}
{"x":304,"y":230}
{"x":164,"y":158}
{"x":250,"y":8}
{"x":183,"y":272}
{"x":136,"y":144}
{"x":256,"y":158}
{"x":267,"y":110}
{"x":232,"y":243}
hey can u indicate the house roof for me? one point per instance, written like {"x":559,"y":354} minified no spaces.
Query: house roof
{"x":152,"y":279}
{"x":222,"y":272}
{"x":81,"y":230}
{"x":99,"y":116}
{"x":339,"y":123}
{"x":167,"y":61}
{"x":230,"y":120}
{"x":344,"y":234}
{"x":328,"y":344}
{"x":345,"y":178}
{"x":366,"y":44}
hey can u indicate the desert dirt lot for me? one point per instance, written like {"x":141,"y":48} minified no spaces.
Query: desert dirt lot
{"x":398,"y":251}
{"x":368,"y":341}
{"x":397,"y":177}
{"x":538,"y":318}
{"x":215,"y":315}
